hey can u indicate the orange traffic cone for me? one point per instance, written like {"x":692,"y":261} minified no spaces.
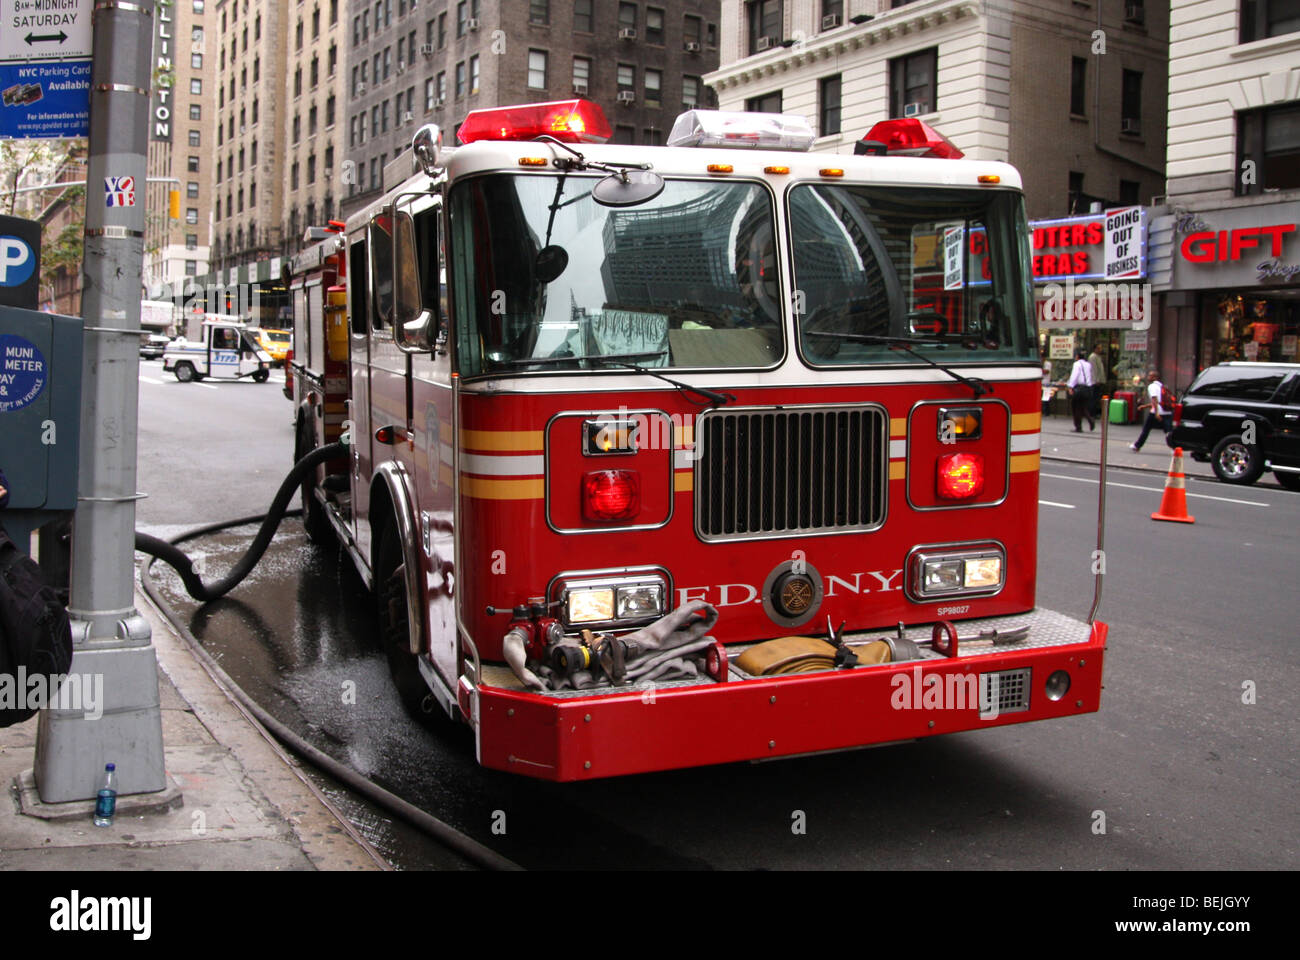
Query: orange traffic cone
{"x":1173,"y":505}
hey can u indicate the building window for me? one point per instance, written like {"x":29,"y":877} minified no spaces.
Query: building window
{"x":654,"y":26}
{"x":191,"y":241}
{"x":192,"y":215}
{"x":581,"y":74}
{"x":832,"y":8}
{"x":654,"y":81}
{"x":539,"y":11}
{"x":912,"y":83}
{"x":330,"y":108}
{"x":198,"y":6}
{"x":582,"y":16}
{"x":627,"y":21}
{"x":293,"y":176}
{"x":297,"y":82}
{"x":537,"y":69}
{"x":191,"y":190}
{"x":191,"y":268}
{"x":624,"y":134}
{"x":388,"y":61}
{"x":192,"y":165}
{"x":1135,"y":11}
{"x":315,"y":24}
{"x":691,"y":29}
{"x":767,"y":103}
{"x":1131,"y":103}
{"x":196,"y":112}
{"x":196,"y":87}
{"x":442,"y":30}
{"x":1078,"y":86}
{"x":690,"y":93}
{"x":1129,"y":191}
{"x":194,"y":138}
{"x":828,"y":106}
{"x":383,"y":118}
{"x":461,"y":16}
{"x":428,"y":95}
{"x":473,"y":74}
{"x":442,"y":86}
{"x":315,"y":72}
{"x":196,"y":61}
{"x":765,"y":18}
{"x":652,"y":137}
{"x":626,"y":79}
{"x":1269,"y":139}
{"x":711,"y":35}
{"x":460,"y":79}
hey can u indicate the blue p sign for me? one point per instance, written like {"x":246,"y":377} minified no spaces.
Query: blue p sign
{"x":17,"y":261}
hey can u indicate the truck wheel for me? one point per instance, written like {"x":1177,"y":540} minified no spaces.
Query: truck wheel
{"x":1289,"y":480}
{"x":261,"y":375}
{"x":314,"y":521}
{"x":1237,"y":462}
{"x":390,"y":596}
{"x":185,"y":371}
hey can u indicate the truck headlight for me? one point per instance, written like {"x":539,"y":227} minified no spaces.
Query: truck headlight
{"x":934,"y":572}
{"x":611,"y":601}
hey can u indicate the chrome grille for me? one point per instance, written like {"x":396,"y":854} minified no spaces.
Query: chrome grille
{"x":1009,"y":688}
{"x":807,"y":470}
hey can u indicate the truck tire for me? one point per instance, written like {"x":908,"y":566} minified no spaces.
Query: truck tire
{"x":261,"y":375}
{"x":185,"y":371}
{"x":314,"y":522}
{"x":1237,"y":462}
{"x":390,"y":600}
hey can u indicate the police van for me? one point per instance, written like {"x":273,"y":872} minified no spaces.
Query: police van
{"x":227,"y":350}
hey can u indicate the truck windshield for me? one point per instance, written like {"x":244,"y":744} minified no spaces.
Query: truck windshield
{"x":941,"y":271}
{"x":545,"y":278}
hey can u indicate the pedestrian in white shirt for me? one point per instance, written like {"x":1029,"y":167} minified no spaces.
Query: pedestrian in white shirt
{"x":1080,"y":387}
{"x":1158,"y":411}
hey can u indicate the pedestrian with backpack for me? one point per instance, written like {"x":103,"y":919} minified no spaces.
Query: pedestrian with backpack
{"x":1159,"y":408}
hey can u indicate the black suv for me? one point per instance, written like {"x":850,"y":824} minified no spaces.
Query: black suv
{"x":1228,"y":402}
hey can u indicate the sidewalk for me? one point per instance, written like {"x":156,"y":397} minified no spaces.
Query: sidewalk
{"x":1060,"y":442}
{"x":244,"y":803}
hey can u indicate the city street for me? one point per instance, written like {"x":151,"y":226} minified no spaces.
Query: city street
{"x":1184,"y":773}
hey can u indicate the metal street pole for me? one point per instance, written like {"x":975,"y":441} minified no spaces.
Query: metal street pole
{"x":113,"y":648}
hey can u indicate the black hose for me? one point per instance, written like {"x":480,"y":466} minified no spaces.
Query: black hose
{"x":194,"y":585}
{"x":445,"y":834}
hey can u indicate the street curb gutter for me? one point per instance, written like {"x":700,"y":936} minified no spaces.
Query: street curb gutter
{"x":327,"y":838}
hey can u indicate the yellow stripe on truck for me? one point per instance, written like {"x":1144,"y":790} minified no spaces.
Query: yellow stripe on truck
{"x":514,"y":441}
{"x":482,"y":488}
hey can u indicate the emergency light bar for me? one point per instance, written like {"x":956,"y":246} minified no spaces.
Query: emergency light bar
{"x":909,"y":138}
{"x":571,"y":121}
{"x":724,"y":128}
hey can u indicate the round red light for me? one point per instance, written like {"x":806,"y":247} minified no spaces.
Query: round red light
{"x":611,"y":495}
{"x":960,"y":476}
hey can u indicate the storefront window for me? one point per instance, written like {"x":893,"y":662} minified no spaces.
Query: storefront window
{"x":1242,"y":326}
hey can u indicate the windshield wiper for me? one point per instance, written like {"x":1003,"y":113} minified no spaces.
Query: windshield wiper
{"x":712,"y":396}
{"x":977,"y":385}
{"x":539,"y":361}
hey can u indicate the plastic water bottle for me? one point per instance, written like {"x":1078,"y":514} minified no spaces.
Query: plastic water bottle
{"x":106,"y":799}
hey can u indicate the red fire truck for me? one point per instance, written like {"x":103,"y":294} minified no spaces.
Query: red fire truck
{"x":668,"y":456}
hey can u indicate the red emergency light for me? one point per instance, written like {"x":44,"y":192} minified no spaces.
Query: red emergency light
{"x":572,"y":121}
{"x":960,"y":476}
{"x":611,"y":495}
{"x":910,"y":137}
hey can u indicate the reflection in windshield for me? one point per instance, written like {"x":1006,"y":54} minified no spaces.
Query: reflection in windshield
{"x":686,"y":280}
{"x":919,"y":264}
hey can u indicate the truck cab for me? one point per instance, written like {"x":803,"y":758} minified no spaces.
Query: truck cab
{"x":227,"y":350}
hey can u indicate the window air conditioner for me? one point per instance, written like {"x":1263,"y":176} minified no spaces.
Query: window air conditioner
{"x":692,"y":46}
{"x":766,"y":43}
{"x":401,"y":67}
{"x":626,"y":96}
{"x":471,"y":23}
{"x":916,"y":109}
{"x":1130,"y":125}
{"x":627,"y":33}
{"x":407,"y":117}
{"x":438,"y":104}
{"x":426,"y":49}
{"x":361,"y":89}
{"x":580,"y":87}
{"x":830,"y":21}
{"x":1135,"y":13}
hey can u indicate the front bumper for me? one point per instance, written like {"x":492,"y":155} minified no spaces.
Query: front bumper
{"x":586,"y":735}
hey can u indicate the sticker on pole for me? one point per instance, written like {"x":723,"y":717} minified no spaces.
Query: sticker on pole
{"x":23,"y":373}
{"x":119,"y":191}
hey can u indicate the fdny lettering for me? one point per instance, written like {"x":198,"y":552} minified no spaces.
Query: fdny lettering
{"x":738,"y":594}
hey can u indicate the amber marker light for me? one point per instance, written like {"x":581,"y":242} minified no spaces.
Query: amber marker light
{"x":989,"y":178}
{"x":776,"y":169}
{"x":831,"y":172}
{"x":532,"y":161}
{"x":720,"y":168}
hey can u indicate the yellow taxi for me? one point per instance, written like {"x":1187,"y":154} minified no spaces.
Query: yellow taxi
{"x":277,"y":343}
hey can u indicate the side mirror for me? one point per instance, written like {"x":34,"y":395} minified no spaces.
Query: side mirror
{"x":426,"y":144}
{"x":412,"y":323}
